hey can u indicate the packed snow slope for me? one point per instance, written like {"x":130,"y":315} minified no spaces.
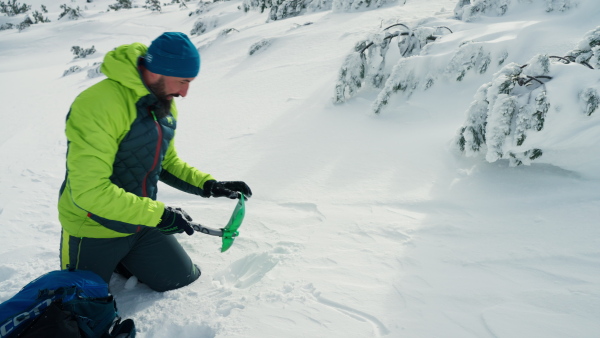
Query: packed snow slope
{"x":361,"y":225}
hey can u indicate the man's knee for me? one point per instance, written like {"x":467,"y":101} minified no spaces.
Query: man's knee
{"x":171,"y":281}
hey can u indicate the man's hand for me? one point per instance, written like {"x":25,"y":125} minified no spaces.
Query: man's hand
{"x":175,"y":221}
{"x":229,"y":189}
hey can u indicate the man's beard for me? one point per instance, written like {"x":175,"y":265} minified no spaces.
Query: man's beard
{"x":163,"y":106}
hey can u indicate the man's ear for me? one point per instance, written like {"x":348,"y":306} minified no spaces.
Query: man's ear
{"x":148,"y":76}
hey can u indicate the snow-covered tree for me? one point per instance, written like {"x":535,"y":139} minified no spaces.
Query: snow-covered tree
{"x":92,"y":71}
{"x":38,"y":17}
{"x":181,"y":3}
{"x":29,"y":19}
{"x":470,"y":56}
{"x":420,"y":71}
{"x":560,"y":5}
{"x":227,"y":31}
{"x":503,"y":112}
{"x":587,"y":50}
{"x":357,"y":5}
{"x":153,"y":5}
{"x":72,"y":70}
{"x":516,"y":105}
{"x":204,"y":24}
{"x":319,"y":5}
{"x":69,"y":12}
{"x":25,"y":23}
{"x":201,"y":8}
{"x":81,"y":53}
{"x":283,"y":9}
{"x":120,"y":4}
{"x":403,"y":79}
{"x":260,"y":5}
{"x":12,"y":7}
{"x":260,"y":45}
{"x":351,"y":77}
{"x":472,"y":135}
{"x":469,"y":10}
{"x":590,"y":99}
{"x":95,"y":71}
{"x":366,"y":65}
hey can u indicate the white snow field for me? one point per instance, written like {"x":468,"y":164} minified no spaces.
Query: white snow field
{"x":361,"y":224}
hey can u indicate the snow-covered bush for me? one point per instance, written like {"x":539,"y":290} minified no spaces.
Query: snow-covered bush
{"x":366,"y":65}
{"x":227,"y":31}
{"x":153,"y":5}
{"x":12,"y":7}
{"x":473,"y":57}
{"x":314,"y":6}
{"x":69,"y":12}
{"x":92,"y":71}
{"x":404,"y":78}
{"x":120,"y":4}
{"x":560,"y":5}
{"x":72,"y":70}
{"x":28,"y":20}
{"x":590,"y":99}
{"x":181,"y":3}
{"x":201,"y":8}
{"x":351,"y":77}
{"x":469,"y":10}
{"x":510,"y":115}
{"x":204,"y":24}
{"x":423,"y":71}
{"x":260,"y":45}
{"x":260,"y":5}
{"x":25,"y":23}
{"x":283,"y":9}
{"x":81,"y":53}
{"x":588,"y":50}
{"x":357,"y":5}
{"x":38,"y":17}
{"x":95,"y":71}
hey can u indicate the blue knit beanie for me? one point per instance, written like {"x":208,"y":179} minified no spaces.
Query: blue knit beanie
{"x":173,"y":54}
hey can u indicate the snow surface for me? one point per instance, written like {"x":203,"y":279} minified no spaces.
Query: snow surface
{"x":361,"y":225}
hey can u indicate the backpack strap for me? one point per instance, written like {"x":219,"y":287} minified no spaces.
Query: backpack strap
{"x":125,"y":329}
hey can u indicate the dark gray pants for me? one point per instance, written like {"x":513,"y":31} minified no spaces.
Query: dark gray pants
{"x":157,"y":260}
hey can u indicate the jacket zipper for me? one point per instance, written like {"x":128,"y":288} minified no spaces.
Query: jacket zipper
{"x":156,"y":154}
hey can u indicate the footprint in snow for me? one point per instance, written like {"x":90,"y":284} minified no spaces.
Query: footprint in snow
{"x":247,"y":271}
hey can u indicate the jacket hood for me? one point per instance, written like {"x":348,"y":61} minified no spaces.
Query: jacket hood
{"x":121,"y":65}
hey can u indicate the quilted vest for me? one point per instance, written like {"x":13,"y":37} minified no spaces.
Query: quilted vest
{"x":137,"y":164}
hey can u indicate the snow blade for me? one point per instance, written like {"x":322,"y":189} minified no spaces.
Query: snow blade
{"x":229,"y":232}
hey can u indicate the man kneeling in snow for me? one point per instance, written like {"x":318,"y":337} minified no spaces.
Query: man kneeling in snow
{"x":120,"y":144}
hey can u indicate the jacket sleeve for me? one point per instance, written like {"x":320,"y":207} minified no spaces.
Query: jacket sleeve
{"x":94,"y":128}
{"x":181,"y":175}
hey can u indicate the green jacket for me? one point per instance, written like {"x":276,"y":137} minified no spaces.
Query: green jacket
{"x":117,"y":152}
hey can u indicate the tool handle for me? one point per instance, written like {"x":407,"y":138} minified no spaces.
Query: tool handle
{"x":206,"y":230}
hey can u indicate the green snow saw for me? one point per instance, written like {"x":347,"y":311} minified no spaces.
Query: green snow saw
{"x":229,"y":232}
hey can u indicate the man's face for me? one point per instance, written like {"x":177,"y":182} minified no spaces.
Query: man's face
{"x":167,"y":87}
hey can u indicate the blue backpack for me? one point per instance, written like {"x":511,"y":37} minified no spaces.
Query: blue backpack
{"x":63,"y":303}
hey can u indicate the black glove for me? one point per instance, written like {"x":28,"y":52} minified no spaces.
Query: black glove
{"x":175,"y":221}
{"x":226,"y":189}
